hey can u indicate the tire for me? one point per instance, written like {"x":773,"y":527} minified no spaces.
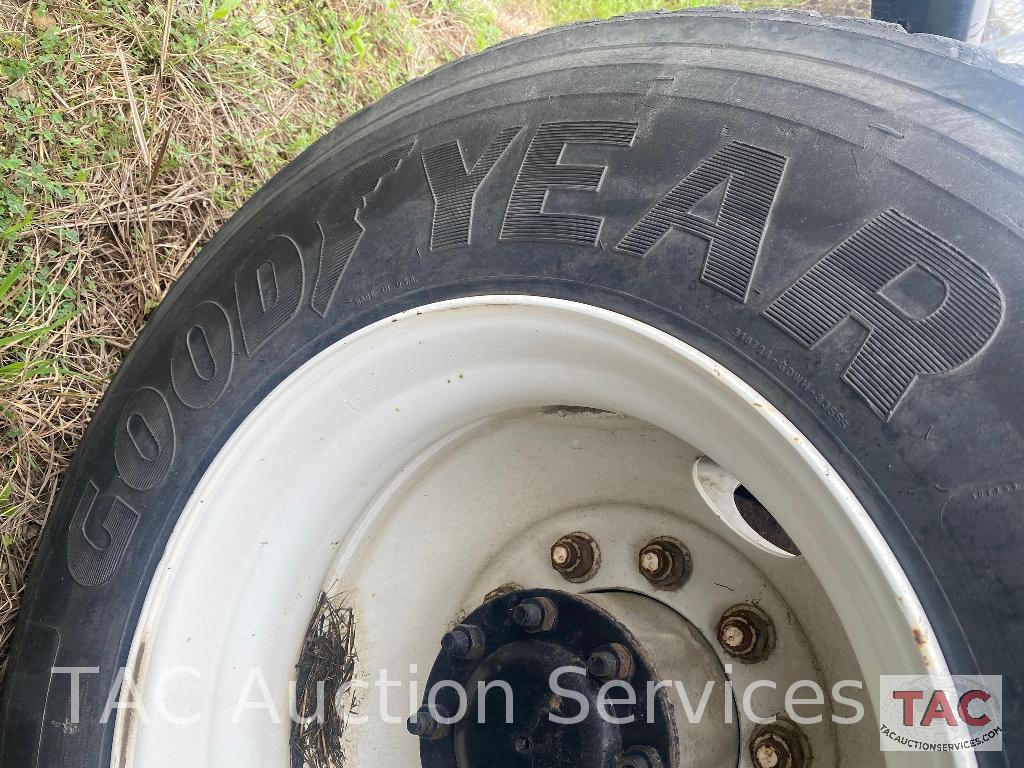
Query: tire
{"x":861,"y":267}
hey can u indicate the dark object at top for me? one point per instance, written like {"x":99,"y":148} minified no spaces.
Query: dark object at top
{"x":959,"y":19}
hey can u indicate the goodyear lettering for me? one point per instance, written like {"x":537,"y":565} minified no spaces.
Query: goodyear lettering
{"x":725,"y":200}
{"x":454,"y":186}
{"x":339,"y":225}
{"x":848,"y":283}
{"x":99,"y":536}
{"x":526,"y":218}
{"x":739,"y":181}
{"x":144,"y":440}
{"x":268,"y":290}
{"x":203,"y":357}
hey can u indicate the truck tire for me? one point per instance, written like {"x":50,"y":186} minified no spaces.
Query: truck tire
{"x":829,"y":210}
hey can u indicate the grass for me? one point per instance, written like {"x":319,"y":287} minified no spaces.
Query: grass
{"x":128,"y":137}
{"x":564,"y":11}
{"x":131,"y":130}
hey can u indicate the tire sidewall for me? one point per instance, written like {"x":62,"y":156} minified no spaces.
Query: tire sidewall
{"x":937,"y":476}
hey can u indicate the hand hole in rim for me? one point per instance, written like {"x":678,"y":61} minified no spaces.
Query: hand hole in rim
{"x":740,"y":510}
{"x":762,"y":521}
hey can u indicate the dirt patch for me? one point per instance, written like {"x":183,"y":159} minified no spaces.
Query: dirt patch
{"x":323,"y":703}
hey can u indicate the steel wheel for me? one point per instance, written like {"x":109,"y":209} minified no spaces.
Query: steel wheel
{"x":434,"y":458}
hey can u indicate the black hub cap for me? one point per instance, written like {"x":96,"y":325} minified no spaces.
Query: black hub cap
{"x":521,"y":638}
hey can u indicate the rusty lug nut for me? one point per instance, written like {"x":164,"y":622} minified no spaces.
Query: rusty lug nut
{"x":780,"y":745}
{"x":665,"y":562}
{"x":610,"y":662}
{"x":746,"y":633}
{"x":464,"y":641}
{"x":424,"y":725}
{"x":639,"y":757}
{"x":535,"y":614}
{"x":575,"y":556}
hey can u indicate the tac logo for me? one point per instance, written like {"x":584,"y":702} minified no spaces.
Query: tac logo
{"x":935,"y":713}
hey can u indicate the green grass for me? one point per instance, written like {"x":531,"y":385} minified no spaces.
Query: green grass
{"x":565,"y":11}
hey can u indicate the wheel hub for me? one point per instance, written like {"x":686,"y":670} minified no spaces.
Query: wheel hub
{"x":555,"y":652}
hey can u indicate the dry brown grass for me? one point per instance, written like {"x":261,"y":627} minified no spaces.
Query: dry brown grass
{"x":131,"y":131}
{"x":514,"y":19}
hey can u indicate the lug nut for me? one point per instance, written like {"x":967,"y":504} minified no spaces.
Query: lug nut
{"x":602,"y":664}
{"x":561,"y":556}
{"x":768,"y":756}
{"x":424,"y":725}
{"x":665,"y":562}
{"x":522,"y":744}
{"x":651,"y":563}
{"x":464,"y":641}
{"x":575,"y":556}
{"x":535,"y":614}
{"x":639,"y":757}
{"x":734,"y":637}
{"x":610,"y":662}
{"x":780,"y":745}
{"x":746,"y":633}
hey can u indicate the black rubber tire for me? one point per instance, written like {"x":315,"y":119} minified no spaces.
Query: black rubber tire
{"x":855,"y":153}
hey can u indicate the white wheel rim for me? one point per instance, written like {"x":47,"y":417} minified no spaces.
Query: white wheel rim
{"x":388,"y":399}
